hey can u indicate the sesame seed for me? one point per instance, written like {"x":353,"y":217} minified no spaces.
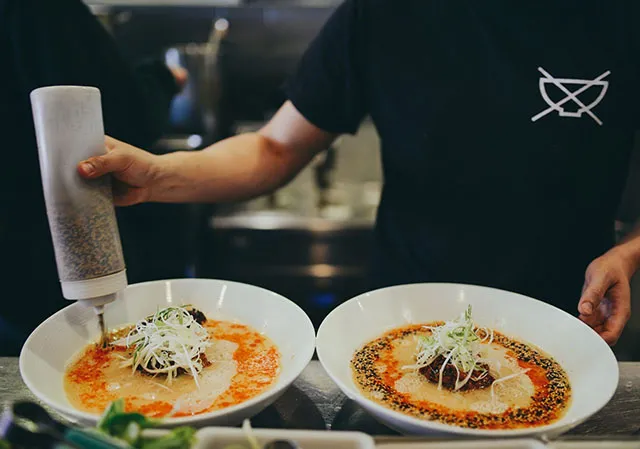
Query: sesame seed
{"x":549,"y":401}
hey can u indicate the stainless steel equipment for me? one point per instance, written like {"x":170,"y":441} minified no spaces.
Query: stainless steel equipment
{"x":316,"y":262}
{"x":195,"y":109}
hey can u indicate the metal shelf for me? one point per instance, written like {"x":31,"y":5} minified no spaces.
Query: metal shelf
{"x":214,"y":3}
{"x":125,"y":3}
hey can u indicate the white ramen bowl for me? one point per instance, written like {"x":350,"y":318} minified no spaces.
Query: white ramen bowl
{"x":588,"y":360}
{"x":57,"y":340}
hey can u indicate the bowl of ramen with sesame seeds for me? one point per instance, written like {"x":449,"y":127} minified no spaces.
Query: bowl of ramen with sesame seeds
{"x":464,"y":359}
{"x":185,"y":352}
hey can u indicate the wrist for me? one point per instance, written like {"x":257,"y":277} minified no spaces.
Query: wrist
{"x":164,"y":177}
{"x":629,"y":253}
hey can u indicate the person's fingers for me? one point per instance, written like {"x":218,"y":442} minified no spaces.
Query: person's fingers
{"x":620,"y":313}
{"x":611,"y":336}
{"x":130,"y":197}
{"x":595,"y":319}
{"x":98,"y":166}
{"x":593,"y":292}
{"x":112,"y":143}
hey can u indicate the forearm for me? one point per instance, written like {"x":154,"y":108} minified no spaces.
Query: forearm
{"x":238,"y":168}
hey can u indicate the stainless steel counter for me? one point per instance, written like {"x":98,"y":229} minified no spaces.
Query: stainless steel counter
{"x":314,"y":402}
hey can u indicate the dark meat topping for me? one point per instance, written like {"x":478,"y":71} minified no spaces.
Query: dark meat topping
{"x":198,"y":316}
{"x":480,"y":378}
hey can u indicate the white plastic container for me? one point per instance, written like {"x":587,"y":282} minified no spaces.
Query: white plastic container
{"x":220,"y":437}
{"x":69,"y":129}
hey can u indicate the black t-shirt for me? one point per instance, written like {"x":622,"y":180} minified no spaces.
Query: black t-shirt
{"x":506,"y":129}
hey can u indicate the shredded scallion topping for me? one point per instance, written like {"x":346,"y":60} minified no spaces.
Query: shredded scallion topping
{"x":166,"y":342}
{"x":459,"y":342}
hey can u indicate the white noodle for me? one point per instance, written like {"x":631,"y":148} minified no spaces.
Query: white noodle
{"x":166,"y":342}
{"x":461,"y":346}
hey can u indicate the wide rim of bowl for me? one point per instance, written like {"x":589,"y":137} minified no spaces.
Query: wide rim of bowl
{"x":434,"y":426}
{"x":281,"y":385}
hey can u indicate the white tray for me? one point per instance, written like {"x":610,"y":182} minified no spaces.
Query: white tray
{"x":594,"y":445}
{"x":466,"y":444}
{"x":219,"y":437}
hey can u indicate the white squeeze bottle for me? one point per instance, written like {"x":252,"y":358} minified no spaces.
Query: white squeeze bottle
{"x":69,"y":128}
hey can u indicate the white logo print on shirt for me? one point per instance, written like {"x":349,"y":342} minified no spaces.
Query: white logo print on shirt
{"x":562,"y":83}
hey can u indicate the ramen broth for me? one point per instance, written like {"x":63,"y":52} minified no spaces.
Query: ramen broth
{"x":244,"y":363}
{"x":534,"y":389}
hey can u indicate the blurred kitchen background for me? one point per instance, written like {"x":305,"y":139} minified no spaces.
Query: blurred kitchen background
{"x":311,"y":240}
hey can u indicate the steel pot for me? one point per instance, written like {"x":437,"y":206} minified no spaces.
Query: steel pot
{"x":194,"y":110}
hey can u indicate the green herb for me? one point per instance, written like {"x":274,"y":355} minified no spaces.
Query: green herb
{"x":180,"y":438}
{"x":458,"y":343}
{"x":167,"y":342}
{"x":129,"y":427}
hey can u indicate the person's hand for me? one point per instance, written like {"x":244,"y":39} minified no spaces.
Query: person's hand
{"x":133,"y":170}
{"x":180,"y":75}
{"x":605,"y":304}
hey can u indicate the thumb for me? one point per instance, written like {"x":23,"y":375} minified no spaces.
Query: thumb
{"x":593,"y":293}
{"x":98,"y":166}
